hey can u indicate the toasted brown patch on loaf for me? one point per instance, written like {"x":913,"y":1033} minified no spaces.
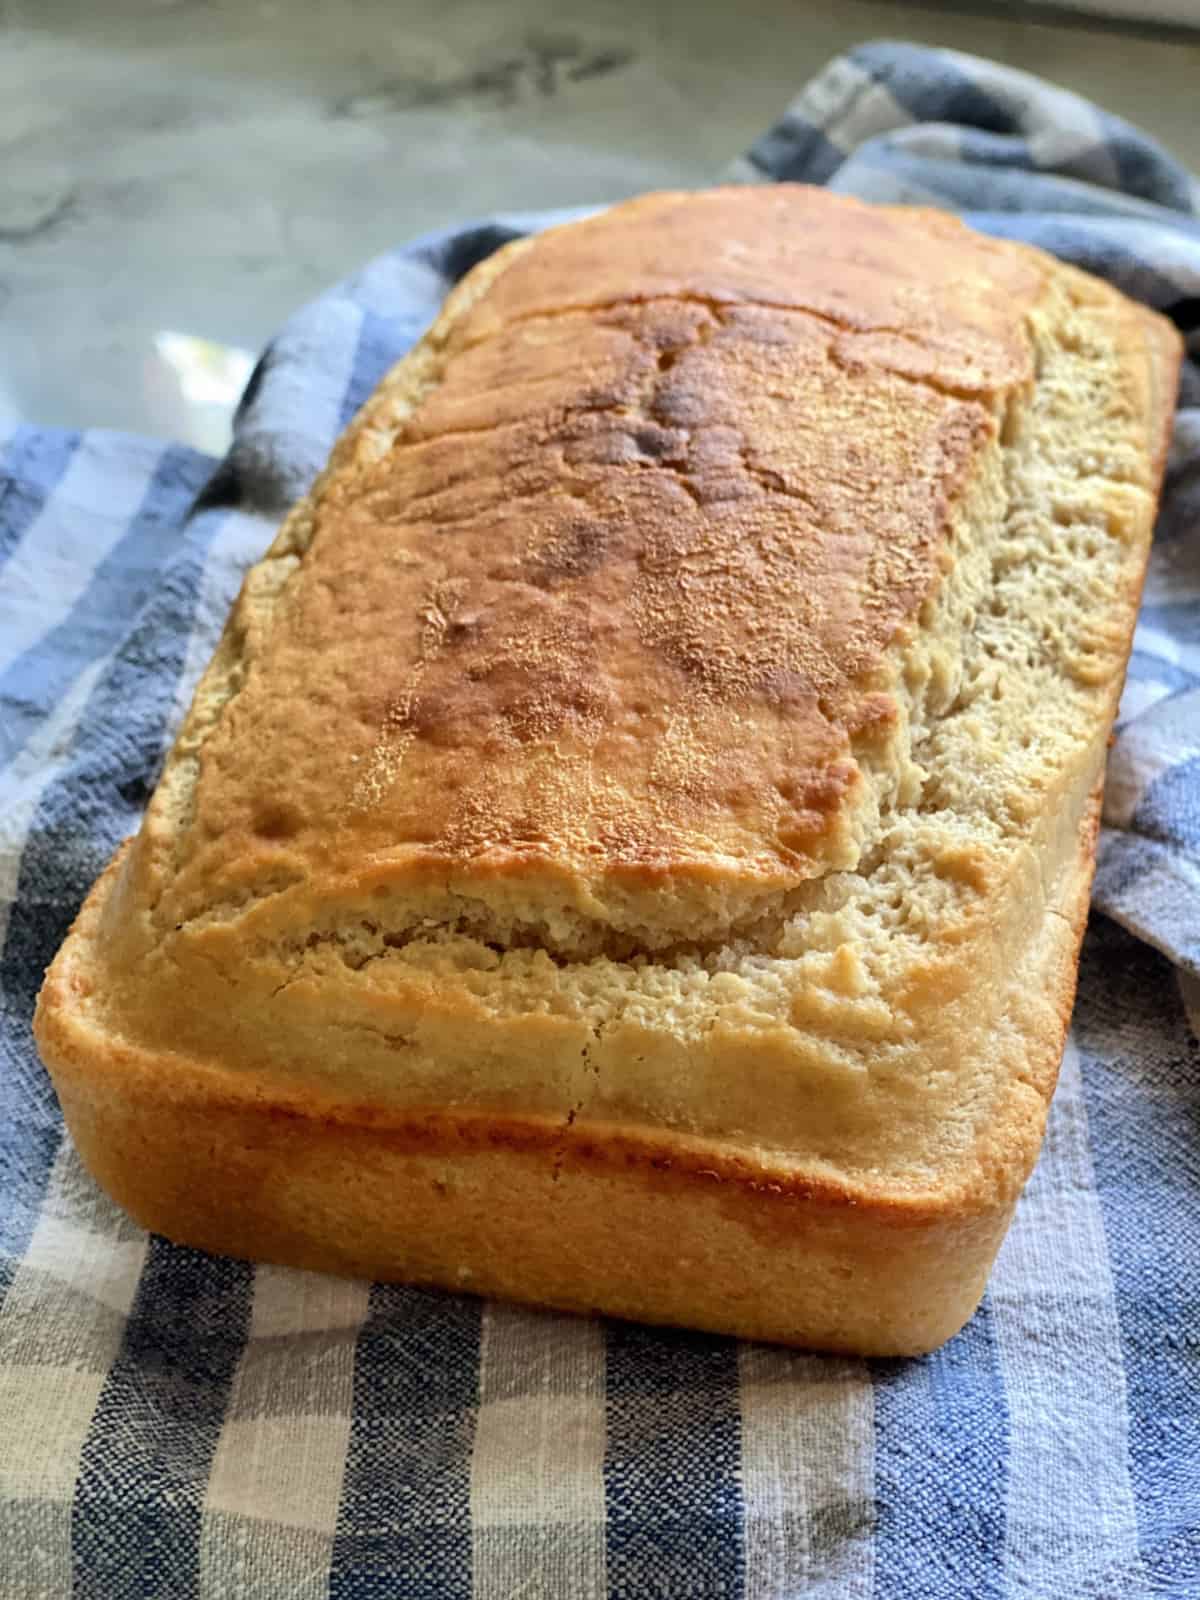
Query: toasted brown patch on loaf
{"x":663,"y":537}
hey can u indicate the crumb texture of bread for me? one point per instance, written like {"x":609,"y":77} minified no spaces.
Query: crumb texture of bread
{"x":676,"y":714}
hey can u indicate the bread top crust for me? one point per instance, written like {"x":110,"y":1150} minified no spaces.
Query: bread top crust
{"x":601,"y":635}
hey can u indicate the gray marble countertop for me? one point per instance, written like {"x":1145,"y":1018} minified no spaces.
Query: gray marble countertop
{"x":179,"y":175}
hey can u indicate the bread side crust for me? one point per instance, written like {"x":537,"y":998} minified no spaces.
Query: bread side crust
{"x":637,"y":1224}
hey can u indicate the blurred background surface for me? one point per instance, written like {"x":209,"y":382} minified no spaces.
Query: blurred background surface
{"x":176,"y":176}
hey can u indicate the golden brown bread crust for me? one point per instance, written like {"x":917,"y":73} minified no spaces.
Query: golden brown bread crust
{"x":622,"y":619}
{"x":660,"y":747}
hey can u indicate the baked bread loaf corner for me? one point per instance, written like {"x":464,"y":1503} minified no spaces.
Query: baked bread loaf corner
{"x":630,"y":849}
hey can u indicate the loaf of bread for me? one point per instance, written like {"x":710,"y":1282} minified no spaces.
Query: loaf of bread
{"x":630,"y":849}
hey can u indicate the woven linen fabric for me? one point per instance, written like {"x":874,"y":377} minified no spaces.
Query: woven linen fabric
{"x":172,"y":1424}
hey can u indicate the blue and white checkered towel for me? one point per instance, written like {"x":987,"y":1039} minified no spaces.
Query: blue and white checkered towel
{"x":176,"y":1425}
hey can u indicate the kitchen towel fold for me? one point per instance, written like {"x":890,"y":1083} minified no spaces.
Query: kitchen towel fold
{"x":176,"y":1425}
